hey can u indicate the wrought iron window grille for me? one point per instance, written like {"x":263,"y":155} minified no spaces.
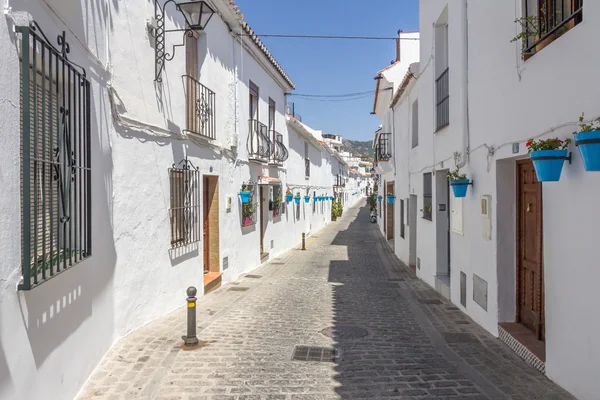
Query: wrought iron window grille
{"x":55,"y":158}
{"x":184,"y":211}
{"x":442,"y":96}
{"x":157,"y":29}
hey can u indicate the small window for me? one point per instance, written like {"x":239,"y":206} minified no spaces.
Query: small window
{"x":415,"y":124}
{"x":253,"y":101}
{"x":402,"y":218}
{"x":185,"y":205}
{"x":427,"y":196}
{"x":456,"y":216}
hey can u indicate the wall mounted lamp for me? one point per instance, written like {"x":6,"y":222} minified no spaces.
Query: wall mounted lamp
{"x":196,"y":14}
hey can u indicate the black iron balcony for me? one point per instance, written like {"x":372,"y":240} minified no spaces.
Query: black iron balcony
{"x":383,"y":150}
{"x":259,"y":145}
{"x":442,"y":101}
{"x":279,"y":152}
{"x":200,"y":109}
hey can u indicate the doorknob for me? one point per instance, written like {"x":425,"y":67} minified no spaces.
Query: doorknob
{"x":529,"y":207}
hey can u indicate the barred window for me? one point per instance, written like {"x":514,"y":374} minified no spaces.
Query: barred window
{"x":55,"y":159}
{"x":185,"y":204}
{"x":427,"y":196}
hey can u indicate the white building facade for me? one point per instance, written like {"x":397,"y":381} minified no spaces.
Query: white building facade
{"x":124,"y":177}
{"x":515,"y":254}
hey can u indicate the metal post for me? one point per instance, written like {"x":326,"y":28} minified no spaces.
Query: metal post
{"x":303,"y":241}
{"x":191,"y":338}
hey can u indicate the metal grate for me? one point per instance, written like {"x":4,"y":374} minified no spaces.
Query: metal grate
{"x":430,"y":301}
{"x":238,"y":289}
{"x":459,"y":337}
{"x":318,"y":354}
{"x":55,"y":158}
{"x":184,"y":213}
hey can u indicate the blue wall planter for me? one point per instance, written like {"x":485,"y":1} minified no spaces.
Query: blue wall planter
{"x":379,"y":198}
{"x":297,"y":199}
{"x":549,"y":163}
{"x":390,"y":199}
{"x":459,"y":187}
{"x":307,"y":199}
{"x":589,"y":148}
{"x":245,"y":196}
{"x":289,"y":197}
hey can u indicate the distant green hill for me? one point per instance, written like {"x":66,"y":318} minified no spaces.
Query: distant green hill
{"x":359,"y":148}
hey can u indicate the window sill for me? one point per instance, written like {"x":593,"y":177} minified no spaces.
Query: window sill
{"x":248,"y":225}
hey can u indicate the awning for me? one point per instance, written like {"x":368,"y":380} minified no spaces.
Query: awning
{"x":268,"y":180}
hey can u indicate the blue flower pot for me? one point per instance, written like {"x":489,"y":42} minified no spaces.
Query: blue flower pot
{"x":245,"y":196}
{"x":548,"y":164}
{"x":459,"y":187}
{"x":379,"y":198}
{"x":289,"y":197}
{"x":390,"y":199}
{"x":297,"y":200}
{"x":590,"y":152}
{"x":306,"y":199}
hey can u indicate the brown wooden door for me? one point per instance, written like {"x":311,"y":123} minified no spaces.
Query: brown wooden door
{"x":530,"y":267}
{"x":390,"y":212}
{"x":262,"y":220}
{"x":205,"y":213}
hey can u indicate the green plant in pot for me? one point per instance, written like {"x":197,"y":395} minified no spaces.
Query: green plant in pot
{"x":277,"y":200}
{"x":548,"y":156}
{"x":587,"y":139}
{"x":248,"y":210}
{"x":336,"y":210}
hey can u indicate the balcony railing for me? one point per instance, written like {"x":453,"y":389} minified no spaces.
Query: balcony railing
{"x":442,"y":101}
{"x":259,"y":145}
{"x":200,"y":109}
{"x":290,"y":109}
{"x":279,"y":152}
{"x":383,"y":150}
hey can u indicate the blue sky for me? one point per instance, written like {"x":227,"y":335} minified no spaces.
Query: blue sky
{"x":333,"y":66}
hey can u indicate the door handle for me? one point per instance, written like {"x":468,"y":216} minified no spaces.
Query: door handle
{"x":529,"y":207}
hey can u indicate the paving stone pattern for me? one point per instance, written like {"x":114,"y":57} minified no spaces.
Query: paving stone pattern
{"x":413,"y":344}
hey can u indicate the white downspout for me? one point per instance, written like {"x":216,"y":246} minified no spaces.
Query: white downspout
{"x":464,"y":157}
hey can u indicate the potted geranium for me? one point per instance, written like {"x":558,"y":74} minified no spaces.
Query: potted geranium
{"x":289,"y":195}
{"x":277,"y":200}
{"x":390,"y":198}
{"x":548,"y":156}
{"x":588,"y":141}
{"x":297,"y":198}
{"x":307,"y":199}
{"x":248,"y":210}
{"x":245,"y":194}
{"x":459,"y":183}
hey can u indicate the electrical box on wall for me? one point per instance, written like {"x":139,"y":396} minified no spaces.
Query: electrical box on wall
{"x":228,"y":204}
{"x":486,"y":216}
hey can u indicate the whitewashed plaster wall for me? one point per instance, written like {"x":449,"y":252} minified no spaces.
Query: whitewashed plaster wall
{"x":68,"y":323}
{"x":570,"y":215}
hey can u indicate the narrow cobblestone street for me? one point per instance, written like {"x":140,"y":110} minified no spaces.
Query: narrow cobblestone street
{"x":394,"y":336}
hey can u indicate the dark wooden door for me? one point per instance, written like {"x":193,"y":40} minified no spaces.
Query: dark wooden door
{"x":205,"y":212}
{"x":262,"y":220}
{"x":390,"y":212}
{"x":530,"y":267}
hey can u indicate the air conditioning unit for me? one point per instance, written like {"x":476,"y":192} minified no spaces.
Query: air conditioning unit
{"x":486,"y":216}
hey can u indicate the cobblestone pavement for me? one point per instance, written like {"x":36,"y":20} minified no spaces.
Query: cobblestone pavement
{"x":348,"y":292}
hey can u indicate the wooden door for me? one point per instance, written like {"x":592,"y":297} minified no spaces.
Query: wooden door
{"x":389,"y":212}
{"x":205,"y":213}
{"x":262,"y":220}
{"x":530,"y":267}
